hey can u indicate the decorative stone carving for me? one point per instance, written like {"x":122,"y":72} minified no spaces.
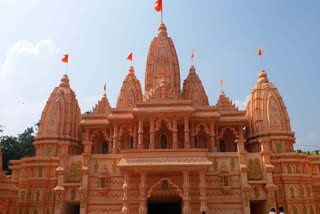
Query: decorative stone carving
{"x":49,"y":195}
{"x":289,"y":169}
{"x":246,"y":199}
{"x":74,"y":172}
{"x":73,"y":194}
{"x":58,"y":201}
{"x":295,"y":210}
{"x":114,"y":167}
{"x":103,"y":106}
{"x":83,"y":201}
{"x":49,"y":151}
{"x":40,"y":172}
{"x":232,"y":165}
{"x":215,"y":165}
{"x":254,"y":170}
{"x":225,"y":104}
{"x":256,"y":192}
{"x":95,"y":167}
{"x":279,"y":147}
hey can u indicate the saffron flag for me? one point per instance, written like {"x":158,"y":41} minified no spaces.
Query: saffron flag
{"x":105,"y":87}
{"x":163,"y":72}
{"x":130,"y":57}
{"x":192,"y":53}
{"x":260,"y":51}
{"x":158,"y":6}
{"x":65,"y":58}
{"x":221,"y":83}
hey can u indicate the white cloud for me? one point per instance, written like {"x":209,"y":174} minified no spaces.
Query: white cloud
{"x":28,"y":74}
{"x":242,"y":104}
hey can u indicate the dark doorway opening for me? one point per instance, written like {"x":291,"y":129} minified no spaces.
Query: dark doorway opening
{"x":258,"y":207}
{"x":164,"y":208}
{"x":71,"y":208}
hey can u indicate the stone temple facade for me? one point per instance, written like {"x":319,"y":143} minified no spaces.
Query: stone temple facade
{"x":165,"y":151}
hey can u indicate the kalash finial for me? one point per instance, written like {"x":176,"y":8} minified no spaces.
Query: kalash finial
{"x":263,"y":77}
{"x":64,"y":81}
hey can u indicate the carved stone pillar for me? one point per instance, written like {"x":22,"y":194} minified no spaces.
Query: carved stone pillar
{"x":270,"y":187}
{"x":213,"y":147}
{"x":186,"y":192}
{"x":110,"y":140}
{"x":125,"y":199}
{"x":203,"y":191}
{"x":115,"y":138}
{"x":186,"y":134}
{"x":192,"y":135}
{"x":140,"y":133}
{"x":245,"y":187}
{"x":175,"y":134}
{"x":135,"y":136}
{"x":151,"y":146}
{"x":143,"y":190}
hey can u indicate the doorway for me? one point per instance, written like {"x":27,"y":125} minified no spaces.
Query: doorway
{"x":258,"y":207}
{"x":71,"y":208}
{"x":167,"y":208}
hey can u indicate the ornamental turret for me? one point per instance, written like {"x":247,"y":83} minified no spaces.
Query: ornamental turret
{"x":59,"y":122}
{"x":193,"y":89}
{"x":162,"y":55}
{"x":268,"y":116}
{"x":131,"y":91}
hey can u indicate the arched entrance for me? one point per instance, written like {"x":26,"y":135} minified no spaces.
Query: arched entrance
{"x":164,"y":197}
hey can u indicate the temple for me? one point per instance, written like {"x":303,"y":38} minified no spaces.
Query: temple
{"x":164,"y":150}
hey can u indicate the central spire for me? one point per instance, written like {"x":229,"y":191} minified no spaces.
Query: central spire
{"x":162,"y":55}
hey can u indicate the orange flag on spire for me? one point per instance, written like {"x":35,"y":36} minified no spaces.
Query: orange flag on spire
{"x":260,"y":52}
{"x":105,"y":87}
{"x":163,"y":72}
{"x":221,"y":83}
{"x":158,"y":6}
{"x":65,"y":58}
{"x":192,"y":53}
{"x":130,"y":57}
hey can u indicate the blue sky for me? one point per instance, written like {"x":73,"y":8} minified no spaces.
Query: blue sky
{"x":99,"y":35}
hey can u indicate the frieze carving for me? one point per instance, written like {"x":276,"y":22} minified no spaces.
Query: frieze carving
{"x":95,"y":167}
{"x":40,"y":172}
{"x":292,"y":192}
{"x":49,"y":151}
{"x":295,"y":210}
{"x":289,"y":169}
{"x":215,"y":165}
{"x":254,"y":170}
{"x":58,"y":201}
{"x":74,"y":172}
{"x":83,"y":201}
{"x":279,"y":147}
{"x":73,"y":194}
{"x":232,"y":165}
{"x":302,"y":191}
{"x":305,"y":209}
{"x":256,"y":192}
{"x":114,"y":167}
{"x":246,"y":199}
{"x":309,"y":192}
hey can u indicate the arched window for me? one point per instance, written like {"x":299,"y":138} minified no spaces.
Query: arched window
{"x":104,"y":148}
{"x":163,"y":142}
{"x":131,"y":143}
{"x":222,"y":146}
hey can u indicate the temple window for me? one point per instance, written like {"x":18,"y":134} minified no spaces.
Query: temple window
{"x":195,"y":142}
{"x":163,"y":142}
{"x":222,"y":146}
{"x":104,"y":148}
{"x":131,"y":142}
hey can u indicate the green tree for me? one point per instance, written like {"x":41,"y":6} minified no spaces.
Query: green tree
{"x":14,"y":148}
